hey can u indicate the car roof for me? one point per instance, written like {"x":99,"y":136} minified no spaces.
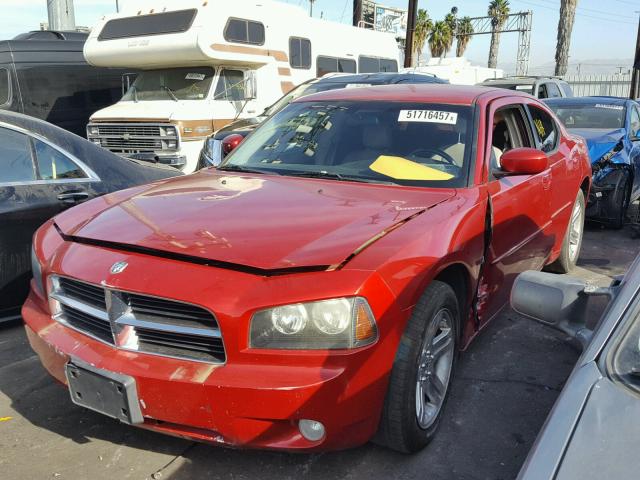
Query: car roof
{"x":381,"y":78}
{"x":426,"y":92}
{"x":587,"y":100}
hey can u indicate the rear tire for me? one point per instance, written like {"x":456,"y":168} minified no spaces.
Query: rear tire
{"x":422,"y":372}
{"x":572,"y":242}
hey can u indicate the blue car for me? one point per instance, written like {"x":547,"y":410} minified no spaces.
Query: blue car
{"x":611,"y":127}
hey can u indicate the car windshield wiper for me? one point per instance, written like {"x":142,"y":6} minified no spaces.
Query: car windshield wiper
{"x":335,"y":176}
{"x":170,"y":92}
{"x":241,"y":168}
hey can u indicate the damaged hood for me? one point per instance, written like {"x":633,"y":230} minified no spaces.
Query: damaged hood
{"x":599,"y":141}
{"x":264,"y":222}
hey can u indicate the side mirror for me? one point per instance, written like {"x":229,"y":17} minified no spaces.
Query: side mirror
{"x":250,"y":85}
{"x":523,"y":161}
{"x":560,"y":301}
{"x":230,"y":142}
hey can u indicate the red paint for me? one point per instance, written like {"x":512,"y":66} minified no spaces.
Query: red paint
{"x":270,"y":222}
{"x":524,"y":161}
{"x":230,"y":142}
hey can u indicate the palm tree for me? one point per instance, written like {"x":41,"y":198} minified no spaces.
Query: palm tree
{"x":464,"y":32}
{"x":450,"y":20}
{"x":440,"y":38}
{"x":565,"y":26}
{"x":421,"y":32}
{"x":498,"y":11}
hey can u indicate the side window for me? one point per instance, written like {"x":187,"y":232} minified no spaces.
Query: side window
{"x":244,"y":31}
{"x":230,"y":85}
{"x":387,"y":65}
{"x":5,"y":86}
{"x":16,"y":163}
{"x":54,"y":165}
{"x":509,"y":131}
{"x":545,"y":129}
{"x":300,"y":52}
{"x":542,"y":91}
{"x":566,"y":88}
{"x":553,"y":91}
{"x":326,"y":65}
{"x":635,"y":122}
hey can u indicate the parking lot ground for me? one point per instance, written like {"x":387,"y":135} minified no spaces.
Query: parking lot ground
{"x":505,"y":385}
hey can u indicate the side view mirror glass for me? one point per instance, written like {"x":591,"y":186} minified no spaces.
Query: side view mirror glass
{"x":523,"y":161}
{"x":562,"y":302}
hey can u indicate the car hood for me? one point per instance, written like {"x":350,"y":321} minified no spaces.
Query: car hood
{"x":599,"y":141}
{"x":264,"y":222}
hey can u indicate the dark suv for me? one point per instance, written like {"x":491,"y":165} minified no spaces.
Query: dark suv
{"x":212,"y":152}
{"x":540,"y":87}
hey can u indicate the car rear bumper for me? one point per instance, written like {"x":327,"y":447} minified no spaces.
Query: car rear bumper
{"x":255,"y":405}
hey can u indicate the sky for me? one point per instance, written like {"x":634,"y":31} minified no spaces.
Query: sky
{"x":604,"y":33}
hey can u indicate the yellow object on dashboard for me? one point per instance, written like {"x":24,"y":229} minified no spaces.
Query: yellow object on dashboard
{"x":403,"y":169}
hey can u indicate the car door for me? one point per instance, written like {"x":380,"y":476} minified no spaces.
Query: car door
{"x":519,"y":208}
{"x":634,"y":153}
{"x":37,"y":181}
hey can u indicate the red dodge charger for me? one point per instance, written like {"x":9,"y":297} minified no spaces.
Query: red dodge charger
{"x":314,"y":290}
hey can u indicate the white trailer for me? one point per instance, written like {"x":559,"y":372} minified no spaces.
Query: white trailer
{"x":458,"y":70}
{"x":204,"y":64}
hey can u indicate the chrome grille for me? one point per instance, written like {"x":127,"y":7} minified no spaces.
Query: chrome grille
{"x":134,"y":137}
{"x":133,"y":321}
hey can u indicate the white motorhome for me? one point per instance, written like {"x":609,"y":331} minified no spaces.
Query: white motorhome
{"x":204,"y":64}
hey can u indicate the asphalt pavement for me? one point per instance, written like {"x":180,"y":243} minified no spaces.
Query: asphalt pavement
{"x":505,"y":385}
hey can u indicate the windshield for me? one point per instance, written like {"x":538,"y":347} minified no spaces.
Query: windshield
{"x":377,"y":142}
{"x":307,"y":89}
{"x":599,"y":115}
{"x":191,"y":83}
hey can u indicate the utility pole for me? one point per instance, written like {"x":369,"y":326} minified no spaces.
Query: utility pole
{"x":635,"y":77}
{"x":61,"y":15}
{"x":117,"y":6}
{"x":311,"y":2}
{"x":357,"y":12}
{"x":411,"y":26}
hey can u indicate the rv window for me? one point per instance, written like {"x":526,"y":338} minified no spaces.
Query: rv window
{"x":5,"y":90}
{"x":184,"y":83}
{"x":326,"y":65}
{"x":144,"y":25}
{"x":230,"y":85}
{"x":244,"y":31}
{"x":53,"y":165}
{"x":16,"y":164}
{"x":375,"y":65}
{"x":300,"y":52}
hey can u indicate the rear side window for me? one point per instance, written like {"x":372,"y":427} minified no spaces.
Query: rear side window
{"x":553,"y":91}
{"x":566,"y":88}
{"x":16,"y":164}
{"x":5,"y":91}
{"x":326,"y":65}
{"x":244,"y":31}
{"x":545,"y":129}
{"x":300,"y":52}
{"x":144,"y":25}
{"x":375,"y":65}
{"x":54,"y":165}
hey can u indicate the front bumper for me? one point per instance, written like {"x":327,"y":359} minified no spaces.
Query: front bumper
{"x":602,"y":205}
{"x":256,"y":398}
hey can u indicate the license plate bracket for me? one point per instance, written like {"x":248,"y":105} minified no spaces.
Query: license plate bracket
{"x":111,"y":394}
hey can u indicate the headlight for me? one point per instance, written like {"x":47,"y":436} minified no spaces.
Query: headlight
{"x":337,"y":323}
{"x":168,"y":131}
{"x":93,"y":130}
{"x":36,"y":268}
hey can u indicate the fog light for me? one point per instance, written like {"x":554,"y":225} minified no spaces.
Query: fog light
{"x":311,"y":430}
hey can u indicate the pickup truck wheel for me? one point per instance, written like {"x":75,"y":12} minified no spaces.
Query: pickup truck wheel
{"x":422,"y":372}
{"x":572,"y":242}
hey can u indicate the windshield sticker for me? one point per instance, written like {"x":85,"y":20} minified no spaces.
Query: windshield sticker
{"x":402,"y":169}
{"x":429,"y":116}
{"x":195,"y":76}
{"x":611,"y":107}
{"x":357,"y":85}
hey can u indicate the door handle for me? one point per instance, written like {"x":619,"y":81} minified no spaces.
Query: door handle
{"x":73,"y":197}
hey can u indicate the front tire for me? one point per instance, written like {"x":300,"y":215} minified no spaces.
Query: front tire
{"x":572,"y":242}
{"x":422,"y":371}
{"x":619,"y":202}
